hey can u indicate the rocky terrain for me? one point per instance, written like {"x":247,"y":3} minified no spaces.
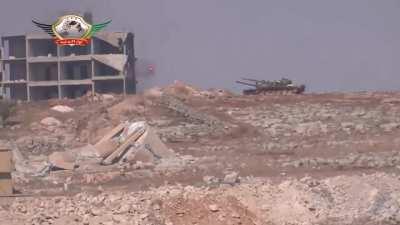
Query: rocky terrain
{"x":269,"y":159}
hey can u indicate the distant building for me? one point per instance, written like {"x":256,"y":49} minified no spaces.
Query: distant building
{"x":33,"y":67}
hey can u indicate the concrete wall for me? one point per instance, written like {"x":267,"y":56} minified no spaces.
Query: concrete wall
{"x":109,"y":86}
{"x":15,"y":47}
{"x":74,"y":91}
{"x":42,"y":47}
{"x":15,"y":70}
{"x":18,"y":91}
{"x":101,"y":69}
{"x":76,"y":70}
{"x":44,"y":93}
{"x":76,"y":50}
{"x":43,"y":71}
{"x":130,"y":69}
{"x":6,"y":72}
{"x":102,"y":47}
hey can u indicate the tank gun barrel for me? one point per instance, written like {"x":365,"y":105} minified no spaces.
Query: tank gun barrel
{"x":252,"y":80}
{"x":244,"y":83}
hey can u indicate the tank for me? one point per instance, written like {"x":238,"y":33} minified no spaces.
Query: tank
{"x":282,"y":86}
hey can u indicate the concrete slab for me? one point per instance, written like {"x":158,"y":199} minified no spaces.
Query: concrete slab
{"x":106,"y":145}
{"x":63,"y":160}
{"x":6,"y":186}
{"x":154,"y":144}
{"x":113,"y":39}
{"x":5,"y":160}
{"x":116,"y":61}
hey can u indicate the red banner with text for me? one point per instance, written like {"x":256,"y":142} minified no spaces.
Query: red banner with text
{"x":71,"y":41}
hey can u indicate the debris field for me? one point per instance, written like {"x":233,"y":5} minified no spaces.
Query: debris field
{"x":179,"y":155}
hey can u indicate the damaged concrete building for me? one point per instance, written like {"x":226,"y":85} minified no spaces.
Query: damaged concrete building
{"x":33,"y":67}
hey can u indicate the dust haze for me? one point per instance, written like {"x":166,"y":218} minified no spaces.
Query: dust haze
{"x":328,"y":45}
{"x":83,"y":149}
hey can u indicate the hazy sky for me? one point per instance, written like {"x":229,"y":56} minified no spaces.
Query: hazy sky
{"x":329,"y":45}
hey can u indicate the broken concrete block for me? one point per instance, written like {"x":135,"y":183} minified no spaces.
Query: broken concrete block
{"x":123,"y":148}
{"x":87,"y":151}
{"x":231,"y":178}
{"x":148,"y":148}
{"x":140,"y":154}
{"x":131,"y":142}
{"x":107,"y":145}
{"x":213,"y":208}
{"x":50,"y":121}
{"x":17,"y":158}
{"x":107,"y":97}
{"x":106,"y":148}
{"x":62,"y":108}
{"x":63,"y":160}
{"x":154,"y":144}
{"x":131,"y":129}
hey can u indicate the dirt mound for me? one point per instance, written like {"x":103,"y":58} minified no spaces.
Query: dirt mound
{"x":208,"y":210}
{"x":182,"y":90}
{"x":127,"y":108}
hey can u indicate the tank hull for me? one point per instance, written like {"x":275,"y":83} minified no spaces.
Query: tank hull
{"x":283,"y":86}
{"x":275,"y":90}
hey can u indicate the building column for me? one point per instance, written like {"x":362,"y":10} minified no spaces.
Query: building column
{"x":92,"y":64}
{"x":59,"y":72}
{"x":92,"y":76}
{"x":124,"y":81}
{"x":28,"y":74}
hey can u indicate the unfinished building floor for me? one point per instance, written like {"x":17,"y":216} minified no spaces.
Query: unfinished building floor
{"x":33,"y":67}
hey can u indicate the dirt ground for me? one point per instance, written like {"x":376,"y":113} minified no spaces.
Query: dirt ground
{"x":269,"y":159}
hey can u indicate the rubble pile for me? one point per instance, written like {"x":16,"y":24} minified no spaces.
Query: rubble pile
{"x":316,"y":119}
{"x":179,"y":107}
{"x":126,"y":143}
{"x":48,"y":135}
{"x":195,"y":124}
{"x":372,"y":199}
{"x":325,"y":127}
{"x":351,"y":161}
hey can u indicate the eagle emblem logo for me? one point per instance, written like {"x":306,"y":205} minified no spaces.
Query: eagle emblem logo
{"x":71,"y":30}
